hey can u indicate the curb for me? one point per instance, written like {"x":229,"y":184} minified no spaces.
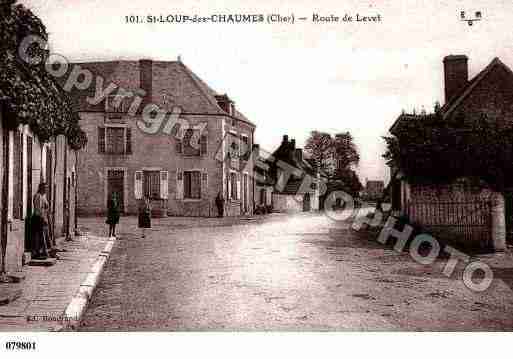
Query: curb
{"x":76,"y":308}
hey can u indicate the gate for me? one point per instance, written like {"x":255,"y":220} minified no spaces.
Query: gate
{"x":466,"y":222}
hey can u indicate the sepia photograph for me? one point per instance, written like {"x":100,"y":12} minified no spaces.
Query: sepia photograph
{"x":203,"y":173}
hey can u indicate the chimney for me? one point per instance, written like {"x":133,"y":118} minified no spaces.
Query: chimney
{"x":146,"y":80}
{"x":455,"y":75}
{"x":285,"y":139}
{"x":293,"y":144}
{"x":299,"y":154}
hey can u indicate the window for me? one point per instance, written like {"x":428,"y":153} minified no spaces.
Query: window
{"x":245,"y":150}
{"x":192,"y":184}
{"x":117,"y":104}
{"x":233,"y":185}
{"x":151,"y":184}
{"x":114,"y":140}
{"x":193,"y":143}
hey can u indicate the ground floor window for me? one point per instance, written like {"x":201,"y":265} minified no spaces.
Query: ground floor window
{"x":192,"y":184}
{"x":151,"y":184}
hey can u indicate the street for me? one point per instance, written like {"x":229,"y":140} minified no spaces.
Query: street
{"x":281,"y":272}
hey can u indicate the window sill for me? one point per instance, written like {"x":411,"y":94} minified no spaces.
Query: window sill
{"x":192,"y":156}
{"x":192,"y":199}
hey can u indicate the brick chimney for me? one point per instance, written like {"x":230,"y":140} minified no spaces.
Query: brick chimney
{"x":455,"y":75}
{"x":146,"y":80}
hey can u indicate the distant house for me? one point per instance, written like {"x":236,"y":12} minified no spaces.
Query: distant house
{"x":374,"y":189}
{"x":264,"y":185}
{"x":295,"y":180}
{"x":179,"y":178}
{"x":456,"y":209}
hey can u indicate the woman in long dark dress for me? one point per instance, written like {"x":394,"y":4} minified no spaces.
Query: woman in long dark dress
{"x":144,"y":215}
{"x":113,"y":214}
{"x":39,"y":224}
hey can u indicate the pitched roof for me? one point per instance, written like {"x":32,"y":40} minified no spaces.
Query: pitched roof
{"x":450,"y":106}
{"x":173,"y":84}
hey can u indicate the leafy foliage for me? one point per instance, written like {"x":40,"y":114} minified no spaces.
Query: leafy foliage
{"x":332,"y":153}
{"x":30,"y":94}
{"x":431,"y":149}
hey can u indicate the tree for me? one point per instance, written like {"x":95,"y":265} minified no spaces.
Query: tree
{"x":332,"y":154}
{"x":345,"y":151}
{"x":319,"y":147}
{"x":435,"y":150}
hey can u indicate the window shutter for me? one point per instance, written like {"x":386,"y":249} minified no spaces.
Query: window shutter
{"x":238,"y":186}
{"x":101,"y":139}
{"x":128,"y":147}
{"x":204,"y":183}
{"x":203,"y":145}
{"x":138,"y":184}
{"x":179,"y":184}
{"x":178,"y":146}
{"x":229,"y":186}
{"x":164,"y":185}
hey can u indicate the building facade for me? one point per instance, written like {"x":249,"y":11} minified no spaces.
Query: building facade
{"x":181,"y":165}
{"x":26,"y":162}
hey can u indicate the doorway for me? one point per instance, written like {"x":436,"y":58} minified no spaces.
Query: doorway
{"x":306,"y":202}
{"x":115,"y":184}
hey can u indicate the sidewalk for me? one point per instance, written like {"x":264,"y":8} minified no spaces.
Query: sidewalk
{"x":49,"y":292}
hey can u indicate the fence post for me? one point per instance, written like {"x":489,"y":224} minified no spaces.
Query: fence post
{"x":498,"y":222}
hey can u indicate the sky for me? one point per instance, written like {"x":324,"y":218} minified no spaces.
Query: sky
{"x":295,"y":78}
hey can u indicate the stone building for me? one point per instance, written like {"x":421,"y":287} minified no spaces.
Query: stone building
{"x":181,"y":165}
{"x":462,"y":210}
{"x":296,"y":182}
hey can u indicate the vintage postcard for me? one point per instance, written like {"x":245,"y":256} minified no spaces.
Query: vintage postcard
{"x":176,"y":166}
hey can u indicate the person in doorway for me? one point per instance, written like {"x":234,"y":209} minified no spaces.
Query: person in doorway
{"x":41,"y":243}
{"x":145,"y":215}
{"x":113,"y":213}
{"x":220,"y":205}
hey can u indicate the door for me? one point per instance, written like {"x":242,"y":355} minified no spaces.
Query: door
{"x":49,"y":173}
{"x":28,"y":197}
{"x":115,"y":183}
{"x":306,"y":202}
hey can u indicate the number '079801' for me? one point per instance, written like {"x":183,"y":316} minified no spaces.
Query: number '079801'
{"x":20,"y":345}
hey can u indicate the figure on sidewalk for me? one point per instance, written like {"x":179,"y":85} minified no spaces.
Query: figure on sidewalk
{"x":220,"y":205}
{"x":41,"y":246}
{"x":145,"y":215}
{"x":113,"y":213}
